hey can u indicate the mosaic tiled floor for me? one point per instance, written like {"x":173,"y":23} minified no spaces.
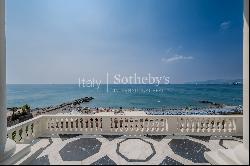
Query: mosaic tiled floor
{"x":124,"y":150}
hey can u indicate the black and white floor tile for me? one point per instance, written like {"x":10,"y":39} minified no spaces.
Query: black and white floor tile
{"x":127,"y":150}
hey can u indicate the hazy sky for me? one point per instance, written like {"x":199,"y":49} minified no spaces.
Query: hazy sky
{"x":58,"y":41}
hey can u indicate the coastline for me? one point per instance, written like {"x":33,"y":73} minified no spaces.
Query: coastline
{"x":77,"y":107}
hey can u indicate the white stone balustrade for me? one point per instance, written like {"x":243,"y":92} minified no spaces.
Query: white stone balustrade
{"x":208,"y":125}
{"x":25,"y":132}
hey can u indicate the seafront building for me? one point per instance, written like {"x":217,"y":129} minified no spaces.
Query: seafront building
{"x":125,"y":138}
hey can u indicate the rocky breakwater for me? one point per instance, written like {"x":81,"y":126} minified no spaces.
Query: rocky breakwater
{"x":82,"y":100}
{"x":212,"y":104}
{"x":62,"y":107}
{"x":17,"y":115}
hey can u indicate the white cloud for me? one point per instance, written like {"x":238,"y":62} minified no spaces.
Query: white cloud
{"x":168,"y":50}
{"x":176,"y":58}
{"x":225,"y":25}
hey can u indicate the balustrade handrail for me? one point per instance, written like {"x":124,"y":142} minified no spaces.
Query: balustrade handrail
{"x":25,"y":122}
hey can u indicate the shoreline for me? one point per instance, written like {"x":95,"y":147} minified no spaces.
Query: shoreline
{"x":77,"y":106}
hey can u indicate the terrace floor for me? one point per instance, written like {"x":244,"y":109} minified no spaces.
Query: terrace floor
{"x":126,"y":150}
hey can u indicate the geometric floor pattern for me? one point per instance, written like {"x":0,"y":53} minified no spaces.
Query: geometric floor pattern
{"x":127,"y":150}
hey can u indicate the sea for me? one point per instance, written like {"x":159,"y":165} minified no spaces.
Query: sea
{"x":125,"y":96}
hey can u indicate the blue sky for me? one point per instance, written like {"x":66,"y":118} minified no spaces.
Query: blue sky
{"x":58,"y":41}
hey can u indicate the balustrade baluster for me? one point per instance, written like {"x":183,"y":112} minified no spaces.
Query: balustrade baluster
{"x":225,"y":125}
{"x":73,"y":124}
{"x":96,"y":124}
{"x":184,"y":127}
{"x":87,"y":124}
{"x":212,"y":125}
{"x":127,"y":124}
{"x":159,"y":125}
{"x":70,"y":124}
{"x":117,"y":124}
{"x":84,"y":122}
{"x":149,"y":125}
{"x":54,"y":124}
{"x":65,"y":124}
{"x":204,"y":121}
{"x":156,"y":122}
{"x":146,"y":127}
{"x":91,"y":124}
{"x":50,"y":124}
{"x":81,"y":124}
{"x":188,"y":125}
{"x":198,"y":125}
{"x":99,"y":124}
{"x":57,"y":124}
{"x":23,"y":135}
{"x":18,"y":136}
{"x":193,"y":126}
{"x":61,"y":124}
{"x":208,"y":126}
{"x":179,"y":125}
{"x":131,"y":124}
{"x":141,"y":124}
{"x":163,"y":125}
{"x":135,"y":124}
{"x":216,"y":127}
{"x":36,"y":131}
{"x":134,"y":128}
{"x":78,"y":125}
{"x":230,"y":125}
{"x":29,"y":132}
{"x":234,"y":125}
{"x":121,"y":123}
{"x":220,"y":125}
{"x":153,"y":125}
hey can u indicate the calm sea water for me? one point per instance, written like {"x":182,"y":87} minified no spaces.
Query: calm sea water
{"x":126,"y":96}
